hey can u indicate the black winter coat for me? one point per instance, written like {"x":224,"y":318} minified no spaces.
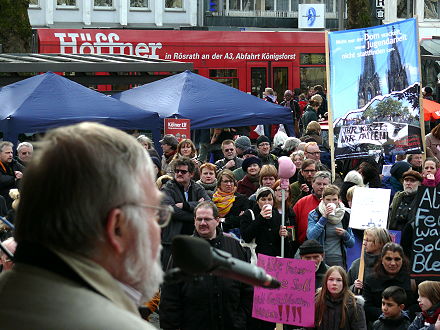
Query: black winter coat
{"x":182,"y":221}
{"x":332,"y":316}
{"x":401,"y":323}
{"x":207,"y":301}
{"x":373,"y":288}
{"x":232,"y":219}
{"x":265,"y":232}
{"x":7,"y":180}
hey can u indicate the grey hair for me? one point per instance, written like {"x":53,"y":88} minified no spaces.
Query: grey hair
{"x":24,"y":144}
{"x":77,"y":176}
{"x":291,"y":144}
{"x":322,"y":175}
{"x":145,"y":139}
{"x":5,"y":144}
{"x":279,"y":139}
{"x":354,"y":177}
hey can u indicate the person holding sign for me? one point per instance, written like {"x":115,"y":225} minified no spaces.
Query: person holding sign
{"x":336,"y":307}
{"x":429,"y":302}
{"x":391,"y":269}
{"x":374,"y":240}
{"x":328,"y":224}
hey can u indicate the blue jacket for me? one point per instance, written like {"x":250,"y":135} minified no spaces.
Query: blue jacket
{"x":316,"y":230}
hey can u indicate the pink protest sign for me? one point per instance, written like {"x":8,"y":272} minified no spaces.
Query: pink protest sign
{"x":294,"y":302}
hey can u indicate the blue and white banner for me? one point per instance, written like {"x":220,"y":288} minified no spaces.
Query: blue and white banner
{"x":374,"y":90}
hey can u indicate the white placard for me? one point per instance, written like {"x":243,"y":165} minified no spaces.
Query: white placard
{"x":311,"y":16}
{"x":369,"y":208}
{"x":386,"y":170}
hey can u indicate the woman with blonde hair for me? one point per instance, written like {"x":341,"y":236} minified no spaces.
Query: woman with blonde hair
{"x":336,"y":307}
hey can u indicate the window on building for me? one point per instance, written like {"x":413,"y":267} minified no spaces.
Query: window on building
{"x":225,"y":76}
{"x":139,"y":4}
{"x":103,"y":3}
{"x":33,"y":3}
{"x":269,"y":5}
{"x":245,"y":5}
{"x":432,"y":9}
{"x":405,"y":8}
{"x":173,"y":4}
{"x":283,"y":5}
{"x":66,"y":2}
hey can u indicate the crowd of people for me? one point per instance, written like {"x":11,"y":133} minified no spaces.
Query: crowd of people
{"x":225,"y":190}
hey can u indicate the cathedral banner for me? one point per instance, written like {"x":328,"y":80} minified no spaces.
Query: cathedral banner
{"x":374,"y":87}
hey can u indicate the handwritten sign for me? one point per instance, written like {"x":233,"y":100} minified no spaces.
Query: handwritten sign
{"x":180,"y":128}
{"x":294,"y":302}
{"x":369,"y":208}
{"x":426,"y":238}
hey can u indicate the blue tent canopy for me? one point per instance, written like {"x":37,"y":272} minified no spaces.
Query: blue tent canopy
{"x":49,"y":100}
{"x":205,"y":102}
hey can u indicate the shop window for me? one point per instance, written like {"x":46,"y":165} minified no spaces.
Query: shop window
{"x":173,"y":4}
{"x":139,"y":4}
{"x":225,"y":76}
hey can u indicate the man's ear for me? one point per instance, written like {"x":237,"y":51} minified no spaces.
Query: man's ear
{"x":117,"y":230}
{"x":402,"y":307}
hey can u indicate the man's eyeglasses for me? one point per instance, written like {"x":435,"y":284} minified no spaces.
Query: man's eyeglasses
{"x":177,"y":171}
{"x":264,"y":144}
{"x":316,"y":153}
{"x":205,"y":219}
{"x":309,"y":171}
{"x":163,"y":213}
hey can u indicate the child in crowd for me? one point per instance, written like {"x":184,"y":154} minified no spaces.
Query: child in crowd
{"x":336,"y":307}
{"x":328,"y":224}
{"x":431,"y":177}
{"x":393,"y":316}
{"x":429,"y":302}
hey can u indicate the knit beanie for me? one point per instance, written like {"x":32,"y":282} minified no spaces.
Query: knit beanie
{"x":261,"y":139}
{"x":243,"y":142}
{"x":157,"y":162}
{"x":249,"y":161}
{"x":310,"y":246}
{"x":399,"y":168}
{"x":250,"y":151}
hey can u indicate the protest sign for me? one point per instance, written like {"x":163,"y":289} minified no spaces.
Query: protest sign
{"x":369,"y":208}
{"x":294,"y":302}
{"x":374,"y":90}
{"x":426,"y":239}
{"x":180,"y":128}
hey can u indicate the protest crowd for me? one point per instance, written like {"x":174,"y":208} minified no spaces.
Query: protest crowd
{"x":223,"y":187}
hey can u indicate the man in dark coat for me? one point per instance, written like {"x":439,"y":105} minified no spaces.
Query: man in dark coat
{"x":10,"y":171}
{"x":207,"y":301}
{"x":183,"y":194}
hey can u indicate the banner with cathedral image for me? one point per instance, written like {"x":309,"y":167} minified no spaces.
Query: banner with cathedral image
{"x":374,"y":81}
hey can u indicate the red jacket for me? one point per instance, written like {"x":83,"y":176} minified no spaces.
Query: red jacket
{"x":302,"y":209}
{"x":246,"y":187}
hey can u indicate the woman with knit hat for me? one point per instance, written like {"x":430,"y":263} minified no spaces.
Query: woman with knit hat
{"x":250,"y":183}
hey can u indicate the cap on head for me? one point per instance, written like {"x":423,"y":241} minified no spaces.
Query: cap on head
{"x":414,"y":174}
{"x":243,"y":142}
{"x":249,"y":161}
{"x":310,"y":246}
{"x":170,"y":140}
{"x":261,"y":139}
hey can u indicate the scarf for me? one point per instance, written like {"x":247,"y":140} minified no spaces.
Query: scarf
{"x":223,"y":201}
{"x":8,"y":170}
{"x":432,"y":314}
{"x":255,"y":179}
{"x":208,"y":186}
{"x":339,"y":213}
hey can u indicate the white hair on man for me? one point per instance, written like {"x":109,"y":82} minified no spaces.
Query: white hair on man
{"x":79,"y":177}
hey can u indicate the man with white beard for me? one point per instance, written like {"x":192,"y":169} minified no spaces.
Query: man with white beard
{"x":88,"y":234}
{"x":402,"y":208}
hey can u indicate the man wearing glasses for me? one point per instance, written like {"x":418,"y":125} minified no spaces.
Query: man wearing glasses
{"x":230,"y":160}
{"x":312,"y":151}
{"x":303,"y":186}
{"x":183,"y":194}
{"x":263,"y":147}
{"x":208,"y":302}
{"x":88,"y":234}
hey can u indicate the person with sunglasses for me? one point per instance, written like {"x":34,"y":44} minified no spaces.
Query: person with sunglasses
{"x":183,"y":194}
{"x":230,"y":160}
{"x":206,"y":301}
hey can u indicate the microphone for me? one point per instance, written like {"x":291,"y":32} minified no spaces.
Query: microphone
{"x":195,"y":256}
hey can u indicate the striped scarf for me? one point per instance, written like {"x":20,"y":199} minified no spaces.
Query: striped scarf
{"x":223,"y":201}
